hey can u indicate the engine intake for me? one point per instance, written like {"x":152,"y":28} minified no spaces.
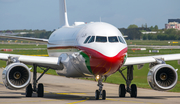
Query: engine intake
{"x":162,"y":77}
{"x":16,"y":76}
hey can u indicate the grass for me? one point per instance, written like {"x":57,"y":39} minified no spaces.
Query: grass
{"x":26,"y":52}
{"x":146,"y":52}
{"x":153,"y":42}
{"x":13,"y":46}
{"x":140,"y":76}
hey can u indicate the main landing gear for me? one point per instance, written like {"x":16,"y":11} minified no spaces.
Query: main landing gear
{"x":100,"y":92}
{"x":133,"y":89}
{"x":40,"y":90}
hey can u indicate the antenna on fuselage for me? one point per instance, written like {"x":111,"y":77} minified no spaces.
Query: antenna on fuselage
{"x":63,"y":13}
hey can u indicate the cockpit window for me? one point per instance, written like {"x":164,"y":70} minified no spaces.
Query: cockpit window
{"x":113,"y":39}
{"x":101,"y":39}
{"x":121,"y":39}
{"x":91,"y":39}
{"x":87,"y":39}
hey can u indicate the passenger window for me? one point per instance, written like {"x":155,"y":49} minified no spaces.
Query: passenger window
{"x":121,"y":39}
{"x":91,"y":39}
{"x":87,"y":39}
{"x":113,"y":39}
{"x":101,"y":39}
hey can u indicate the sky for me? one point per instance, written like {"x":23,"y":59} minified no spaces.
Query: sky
{"x":44,"y":14}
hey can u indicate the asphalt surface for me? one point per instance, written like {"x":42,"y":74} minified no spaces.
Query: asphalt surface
{"x":61,"y":90}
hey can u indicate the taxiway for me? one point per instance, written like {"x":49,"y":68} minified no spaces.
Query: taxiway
{"x":62,"y":90}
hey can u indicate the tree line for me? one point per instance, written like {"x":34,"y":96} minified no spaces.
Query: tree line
{"x":32,"y":33}
{"x":169,"y":34}
{"x":133,"y":32}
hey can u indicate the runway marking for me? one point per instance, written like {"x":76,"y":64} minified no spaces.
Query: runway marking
{"x":79,"y":101}
{"x":71,"y":93}
{"x":2,"y":83}
{"x":132,"y":101}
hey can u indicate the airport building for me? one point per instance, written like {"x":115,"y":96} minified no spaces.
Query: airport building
{"x":173,"y":20}
{"x":173,"y":23}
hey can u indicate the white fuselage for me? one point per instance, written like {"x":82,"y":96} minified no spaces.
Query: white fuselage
{"x":94,"y":48}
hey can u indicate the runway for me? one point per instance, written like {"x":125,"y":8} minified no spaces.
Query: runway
{"x":61,"y":90}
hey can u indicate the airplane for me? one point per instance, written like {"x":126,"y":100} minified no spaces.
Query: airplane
{"x":96,"y":49}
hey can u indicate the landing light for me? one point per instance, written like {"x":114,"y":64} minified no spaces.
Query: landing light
{"x":97,"y":77}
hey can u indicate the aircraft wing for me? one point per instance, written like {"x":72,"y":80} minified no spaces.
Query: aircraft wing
{"x":25,"y":38}
{"x":150,"y":59}
{"x":50,"y":62}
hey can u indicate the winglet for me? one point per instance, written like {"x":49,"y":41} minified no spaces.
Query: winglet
{"x":63,"y":14}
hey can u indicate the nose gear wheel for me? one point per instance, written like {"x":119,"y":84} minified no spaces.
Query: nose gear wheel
{"x":100,"y":93}
{"x":122,"y":90}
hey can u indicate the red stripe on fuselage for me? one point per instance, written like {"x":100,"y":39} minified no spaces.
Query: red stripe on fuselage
{"x":62,"y":47}
{"x":103,"y":65}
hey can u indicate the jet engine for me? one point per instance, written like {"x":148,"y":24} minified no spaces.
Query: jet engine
{"x":16,"y":76}
{"x":162,"y":77}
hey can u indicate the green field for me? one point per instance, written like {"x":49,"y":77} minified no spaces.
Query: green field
{"x":153,"y":42}
{"x":140,"y":76}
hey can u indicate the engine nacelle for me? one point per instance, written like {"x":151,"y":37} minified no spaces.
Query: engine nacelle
{"x":16,"y":76}
{"x":162,"y":77}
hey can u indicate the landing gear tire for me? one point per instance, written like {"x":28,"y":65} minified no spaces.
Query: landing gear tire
{"x":29,"y":90}
{"x":97,"y":95}
{"x":40,"y":91}
{"x":133,"y":90}
{"x":122,"y":90}
{"x":104,"y":94}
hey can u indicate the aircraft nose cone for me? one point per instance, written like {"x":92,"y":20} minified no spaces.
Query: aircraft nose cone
{"x":100,"y":64}
{"x":103,"y":65}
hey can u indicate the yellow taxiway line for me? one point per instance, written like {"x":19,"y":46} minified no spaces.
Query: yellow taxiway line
{"x":79,"y":101}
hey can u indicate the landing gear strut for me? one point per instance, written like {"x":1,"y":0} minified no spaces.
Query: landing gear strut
{"x":133,"y":89}
{"x":100,"y":92}
{"x":40,"y":90}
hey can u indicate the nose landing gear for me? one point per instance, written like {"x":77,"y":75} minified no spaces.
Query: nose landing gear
{"x":100,"y":92}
